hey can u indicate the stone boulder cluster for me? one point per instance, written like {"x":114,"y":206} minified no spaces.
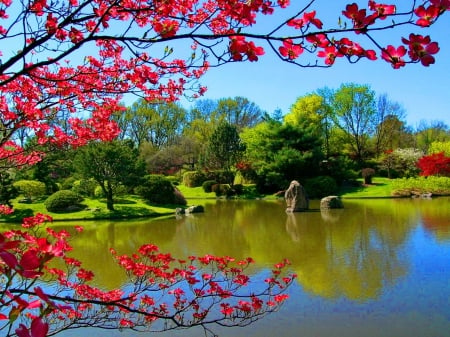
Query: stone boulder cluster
{"x":297,"y":199}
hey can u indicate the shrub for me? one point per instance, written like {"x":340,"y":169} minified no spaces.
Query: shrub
{"x":68,"y":183}
{"x":320,"y":187}
{"x":207,"y":185}
{"x":436,"y":164}
{"x":193,"y":178}
{"x":85,"y":187}
{"x":238,"y":189}
{"x":63,"y":200}
{"x":31,"y":189}
{"x":222,"y":190}
{"x":400,"y":163}
{"x":421,"y":185}
{"x":367,"y":173}
{"x":157,"y":189}
{"x":223,"y":176}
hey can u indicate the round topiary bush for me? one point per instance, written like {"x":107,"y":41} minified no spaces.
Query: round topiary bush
{"x":320,"y":187}
{"x":157,"y":189}
{"x":62,"y":201}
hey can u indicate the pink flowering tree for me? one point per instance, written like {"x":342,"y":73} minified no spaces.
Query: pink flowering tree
{"x":64,"y":67}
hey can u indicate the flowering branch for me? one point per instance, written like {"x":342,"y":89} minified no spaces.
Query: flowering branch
{"x":162,"y":293}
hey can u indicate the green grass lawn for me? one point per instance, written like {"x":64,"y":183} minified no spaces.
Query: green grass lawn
{"x":380,"y":188}
{"x":134,"y":207}
{"x":128,"y":207}
{"x":195,"y":192}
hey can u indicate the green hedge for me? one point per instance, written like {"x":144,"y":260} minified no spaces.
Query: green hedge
{"x":62,"y":201}
{"x":157,"y":189}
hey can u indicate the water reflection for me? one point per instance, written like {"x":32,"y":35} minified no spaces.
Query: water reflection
{"x":375,"y":262}
{"x":351,"y":252}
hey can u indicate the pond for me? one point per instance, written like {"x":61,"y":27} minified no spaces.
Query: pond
{"x":378,"y":267}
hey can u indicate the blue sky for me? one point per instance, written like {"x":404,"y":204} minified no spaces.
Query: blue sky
{"x":424,"y":92}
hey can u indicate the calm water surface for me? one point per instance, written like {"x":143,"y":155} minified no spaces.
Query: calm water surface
{"x":377,"y":268}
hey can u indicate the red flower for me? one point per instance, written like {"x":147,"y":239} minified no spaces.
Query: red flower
{"x":318,"y":40}
{"x":38,"y":329}
{"x":290,"y":50}
{"x":358,"y":16}
{"x":394,"y":56}
{"x":421,"y":48}
{"x":330,"y":53}
{"x":382,"y":9}
{"x":310,"y":17}
{"x":426,"y":15}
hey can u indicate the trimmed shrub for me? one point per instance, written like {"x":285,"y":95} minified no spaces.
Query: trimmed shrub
{"x":31,"y":189}
{"x":321,"y":186}
{"x":63,"y":200}
{"x":157,"y":189}
{"x":193,"y":178}
{"x":367,"y":174}
{"x":207,"y":185}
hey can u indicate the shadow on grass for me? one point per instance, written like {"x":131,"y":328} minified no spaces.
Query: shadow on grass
{"x":18,"y":215}
{"x":125,"y":212}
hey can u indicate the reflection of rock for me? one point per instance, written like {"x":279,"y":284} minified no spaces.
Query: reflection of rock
{"x":190,"y":210}
{"x":296,"y":198}
{"x":330,"y":215}
{"x":331,"y":201}
{"x":291,"y":227}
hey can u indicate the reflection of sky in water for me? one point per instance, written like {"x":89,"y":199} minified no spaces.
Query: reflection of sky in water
{"x":411,"y":301}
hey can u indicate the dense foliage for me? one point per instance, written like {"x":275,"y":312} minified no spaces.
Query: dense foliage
{"x":63,"y":201}
{"x":157,"y":189}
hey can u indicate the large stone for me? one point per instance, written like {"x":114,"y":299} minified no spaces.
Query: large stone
{"x":296,"y":198}
{"x":330,"y":202}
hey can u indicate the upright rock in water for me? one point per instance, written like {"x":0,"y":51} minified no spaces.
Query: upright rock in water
{"x":296,"y":198}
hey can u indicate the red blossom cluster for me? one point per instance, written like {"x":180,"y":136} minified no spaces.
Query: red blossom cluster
{"x":196,"y":291}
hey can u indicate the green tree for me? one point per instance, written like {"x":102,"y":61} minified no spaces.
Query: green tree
{"x":225,"y":147}
{"x":437,"y":147}
{"x":31,"y":189}
{"x":156,"y":122}
{"x":111,"y":164}
{"x":281,"y":152}
{"x":239,"y":111}
{"x":430,"y":132}
{"x":354,"y":111}
{"x":390,"y":125}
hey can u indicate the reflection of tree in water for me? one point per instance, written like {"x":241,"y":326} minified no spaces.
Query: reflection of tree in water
{"x":436,"y":217}
{"x":353,"y":255}
{"x":92,"y":246}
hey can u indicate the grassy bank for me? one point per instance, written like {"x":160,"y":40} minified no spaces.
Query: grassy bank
{"x":135,"y":207}
{"x":94,"y":209}
{"x":380,"y":188}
